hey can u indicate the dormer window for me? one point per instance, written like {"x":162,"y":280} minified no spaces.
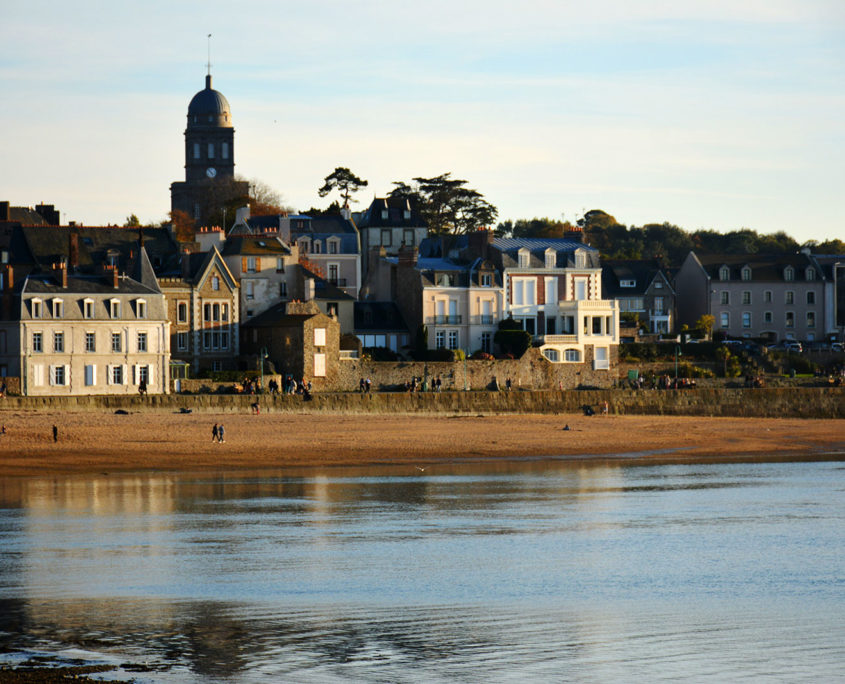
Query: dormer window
{"x":141,"y":308}
{"x":407,"y":214}
{"x":333,"y":246}
{"x":746,"y":273}
{"x":114,"y":308}
{"x":303,"y":246}
{"x":58,"y":308}
{"x":810,"y":273}
{"x":580,"y":258}
{"x":384,"y":214}
{"x":550,"y":258}
{"x":112,"y":258}
{"x":486,"y":280}
{"x":88,"y":308}
{"x":724,"y":273}
{"x":789,"y":273}
{"x":35,"y":308}
{"x":524,"y":258}
{"x":627,"y":283}
{"x":316,"y":247}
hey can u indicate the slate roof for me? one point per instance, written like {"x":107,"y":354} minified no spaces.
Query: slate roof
{"x":396,"y":207}
{"x":47,"y":284}
{"x":324,"y":227}
{"x":642,"y":271}
{"x":276,"y":317}
{"x":764,"y":267}
{"x":254,"y":245}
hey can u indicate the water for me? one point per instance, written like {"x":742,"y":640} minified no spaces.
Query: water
{"x":523,"y":572}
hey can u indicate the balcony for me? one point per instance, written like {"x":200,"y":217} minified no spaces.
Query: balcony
{"x":444,"y":320}
{"x":348,"y":354}
{"x":337,"y":282}
{"x":560,"y":339}
{"x":482,"y":320}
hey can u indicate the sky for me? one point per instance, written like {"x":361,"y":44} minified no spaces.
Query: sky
{"x":712,"y":114}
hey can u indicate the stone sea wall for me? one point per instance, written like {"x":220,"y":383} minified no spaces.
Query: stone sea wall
{"x":796,"y":402}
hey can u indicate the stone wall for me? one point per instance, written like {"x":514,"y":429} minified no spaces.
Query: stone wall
{"x":758,"y":403}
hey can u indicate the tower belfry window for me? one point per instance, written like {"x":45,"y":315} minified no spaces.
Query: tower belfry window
{"x":211,"y":150}
{"x":224,"y":150}
{"x":196,"y":150}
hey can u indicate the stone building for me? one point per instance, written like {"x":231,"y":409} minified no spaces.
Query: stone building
{"x":298,"y":340}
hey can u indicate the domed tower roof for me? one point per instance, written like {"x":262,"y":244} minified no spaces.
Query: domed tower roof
{"x":209,"y":108}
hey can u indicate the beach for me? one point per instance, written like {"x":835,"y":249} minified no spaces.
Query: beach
{"x":98,"y":442}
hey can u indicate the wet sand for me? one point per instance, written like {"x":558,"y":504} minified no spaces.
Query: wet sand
{"x":91,"y":442}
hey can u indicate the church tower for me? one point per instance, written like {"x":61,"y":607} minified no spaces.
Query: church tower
{"x":209,"y":194}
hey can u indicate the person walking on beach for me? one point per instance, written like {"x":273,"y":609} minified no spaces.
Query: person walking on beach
{"x":220,"y":434}
{"x":55,"y":434}
{"x":214,"y":433}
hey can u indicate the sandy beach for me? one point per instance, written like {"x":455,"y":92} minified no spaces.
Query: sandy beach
{"x":90,"y":442}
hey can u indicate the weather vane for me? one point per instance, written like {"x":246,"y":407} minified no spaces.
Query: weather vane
{"x":209,"y":54}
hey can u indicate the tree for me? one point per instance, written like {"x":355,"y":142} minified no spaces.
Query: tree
{"x":446,"y":204}
{"x":705,"y":325}
{"x":344,"y":181}
{"x":182,"y":225}
{"x":534,"y":228}
{"x":511,"y":338}
{"x":264,"y":200}
{"x":132,"y":221}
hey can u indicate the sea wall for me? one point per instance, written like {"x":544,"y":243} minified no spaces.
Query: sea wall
{"x":796,"y":402}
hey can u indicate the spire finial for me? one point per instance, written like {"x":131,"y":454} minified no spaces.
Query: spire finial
{"x":208,"y":76}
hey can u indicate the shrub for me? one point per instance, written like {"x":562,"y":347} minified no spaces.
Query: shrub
{"x":481,"y":356}
{"x":440,"y":355}
{"x":381,"y":354}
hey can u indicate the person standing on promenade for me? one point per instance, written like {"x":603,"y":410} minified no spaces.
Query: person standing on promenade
{"x":214,"y":433}
{"x":55,"y":434}
{"x":220,"y":434}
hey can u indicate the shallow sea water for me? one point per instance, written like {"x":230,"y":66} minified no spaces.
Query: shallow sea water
{"x":461,"y":573}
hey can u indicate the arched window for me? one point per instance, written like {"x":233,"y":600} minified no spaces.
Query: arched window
{"x":572,"y":355}
{"x":724,"y":273}
{"x":810,"y":273}
{"x":746,"y":273}
{"x":552,"y":355}
{"x":789,"y":273}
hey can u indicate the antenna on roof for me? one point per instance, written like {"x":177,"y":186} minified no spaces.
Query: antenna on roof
{"x":209,"y":54}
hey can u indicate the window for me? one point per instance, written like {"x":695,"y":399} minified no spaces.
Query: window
{"x":580,"y":288}
{"x":58,"y":342}
{"x":580,"y":258}
{"x":196,"y":150}
{"x":486,"y":342}
{"x":141,"y":308}
{"x":36,"y":308}
{"x":440,"y":339}
{"x":182,"y":312}
{"x":333,"y":273}
{"x":790,"y":297}
{"x":746,"y":273}
{"x":114,"y":308}
{"x":572,"y":355}
{"x":116,"y":345}
{"x":215,"y":283}
{"x":58,"y":308}
{"x":319,"y":365}
{"x":658,"y":306}
{"x":550,"y":258}
{"x":143,"y":374}
{"x":117,"y":375}
{"x":724,"y":298}
{"x":90,"y":342}
{"x":552,"y":355}
{"x":810,"y":274}
{"x":486,"y":280}
{"x":597,"y":321}
{"x":746,"y":319}
{"x":524,"y":258}
{"x":316,"y":247}
{"x":251,"y":264}
{"x":658,"y":285}
{"x":453,"y":339}
{"x":283,"y":289}
{"x":524,"y":291}
{"x":90,"y":375}
{"x":408,"y":236}
{"x":37,"y":342}
{"x":811,"y":319}
{"x":790,"y":319}
{"x":88,"y":308}
{"x":384,"y":214}
{"x":746,"y":298}
{"x":567,"y":325}
{"x":724,"y":273}
{"x":182,"y":341}
{"x":249,"y":288}
{"x":142,"y":341}
{"x":224,"y":150}
{"x":725,"y":319}
{"x":811,"y":298}
{"x":386,"y":238}
{"x":58,"y":375}
{"x":211,"y":150}
{"x":332,"y":246}
{"x":551,"y":290}
{"x":280,"y":265}
{"x":767,"y":317}
{"x":319,"y":337}
{"x":767,"y":297}
{"x":789,"y":273}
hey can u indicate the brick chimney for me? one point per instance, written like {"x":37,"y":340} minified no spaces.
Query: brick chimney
{"x":60,"y":272}
{"x":479,"y":243}
{"x":408,"y":256}
{"x":575,"y":234}
{"x":186,"y":264}
{"x":5,"y":211}
{"x":73,"y":249}
{"x":8,"y":287}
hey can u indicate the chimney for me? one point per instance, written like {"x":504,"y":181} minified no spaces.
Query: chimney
{"x":5,"y":212}
{"x":115,"y":278}
{"x":73,"y":249}
{"x":60,"y":272}
{"x":309,"y":289}
{"x":575,"y":234}
{"x":284,"y":229}
{"x":345,"y":212}
{"x":10,"y":277}
{"x":186,"y":264}
{"x":408,"y":256}
{"x":479,"y":243}
{"x":8,"y":287}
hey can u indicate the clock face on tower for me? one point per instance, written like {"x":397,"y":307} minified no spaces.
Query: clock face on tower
{"x":211,"y":172}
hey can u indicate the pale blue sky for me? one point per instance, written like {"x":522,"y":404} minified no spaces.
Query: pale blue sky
{"x":707,"y":114}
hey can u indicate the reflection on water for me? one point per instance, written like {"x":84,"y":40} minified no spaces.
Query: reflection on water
{"x":502,"y":572}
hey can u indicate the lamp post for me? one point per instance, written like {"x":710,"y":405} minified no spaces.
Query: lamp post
{"x":263,"y":355}
{"x":677,"y":354}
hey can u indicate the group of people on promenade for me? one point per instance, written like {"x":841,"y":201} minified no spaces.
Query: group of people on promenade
{"x":218,"y":433}
{"x":416,"y":384}
{"x":661,"y":382}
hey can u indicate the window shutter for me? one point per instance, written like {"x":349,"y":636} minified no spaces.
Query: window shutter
{"x":67,"y":374}
{"x":125,"y":373}
{"x":109,"y":375}
{"x":243,"y":265}
{"x":52,"y":375}
{"x":150,"y":376}
{"x":135,"y":374}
